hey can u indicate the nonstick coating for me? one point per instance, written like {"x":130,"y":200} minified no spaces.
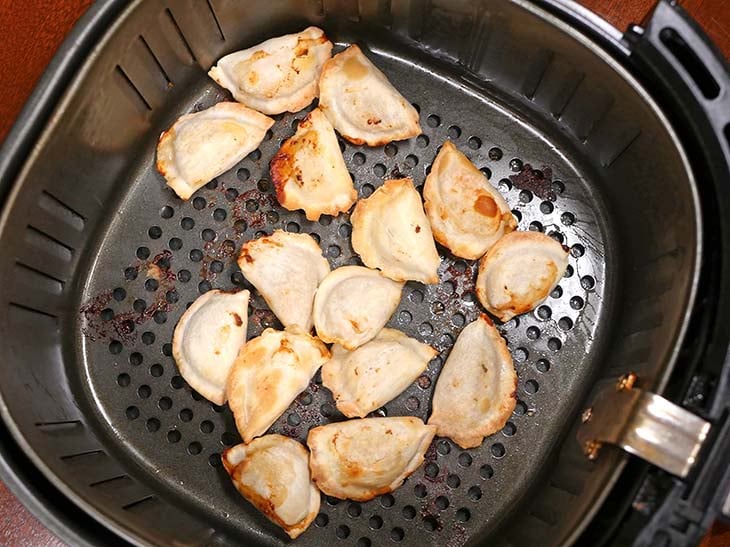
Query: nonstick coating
{"x":177,"y":436}
{"x":150,"y":446}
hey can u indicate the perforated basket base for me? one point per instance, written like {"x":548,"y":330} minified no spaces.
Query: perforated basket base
{"x":159,"y":253}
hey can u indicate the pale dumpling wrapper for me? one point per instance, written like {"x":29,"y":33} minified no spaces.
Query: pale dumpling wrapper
{"x":363,"y":458}
{"x":207,"y":339}
{"x":200,"y":146}
{"x":309,"y":171}
{"x":467,"y":214}
{"x":362,"y":104}
{"x":476,"y":390}
{"x":519,"y":272}
{"x":390,"y":232}
{"x":366,"y":378}
{"x":278,"y":75}
{"x":272,"y":472}
{"x":269,"y":373}
{"x":353,"y":304}
{"x":286,"y":269}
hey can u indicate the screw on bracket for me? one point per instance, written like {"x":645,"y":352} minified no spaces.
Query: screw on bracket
{"x":591,"y":449}
{"x":626,"y":382}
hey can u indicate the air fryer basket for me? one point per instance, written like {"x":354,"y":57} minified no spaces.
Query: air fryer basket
{"x":101,"y":259}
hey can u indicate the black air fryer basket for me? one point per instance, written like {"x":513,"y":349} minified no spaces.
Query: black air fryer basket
{"x":617,"y":145}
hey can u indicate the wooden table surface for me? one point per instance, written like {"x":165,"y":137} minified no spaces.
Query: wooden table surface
{"x":31,"y":32}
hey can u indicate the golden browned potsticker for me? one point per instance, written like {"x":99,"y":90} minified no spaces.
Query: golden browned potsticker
{"x":519,"y":272}
{"x":363,"y":458}
{"x":278,"y":75}
{"x":476,"y":389}
{"x":309,"y":172}
{"x":362,"y":104}
{"x":272,"y":472}
{"x":467,"y":214}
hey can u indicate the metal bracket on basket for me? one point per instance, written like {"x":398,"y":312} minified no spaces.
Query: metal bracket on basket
{"x":643,"y":424}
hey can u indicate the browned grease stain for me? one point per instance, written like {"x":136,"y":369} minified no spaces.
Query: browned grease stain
{"x":122,"y":326}
{"x":539,"y":182}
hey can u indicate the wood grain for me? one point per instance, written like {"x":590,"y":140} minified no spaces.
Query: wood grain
{"x":32,"y":30}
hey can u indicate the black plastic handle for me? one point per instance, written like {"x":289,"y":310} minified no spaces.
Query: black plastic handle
{"x":696,"y":60}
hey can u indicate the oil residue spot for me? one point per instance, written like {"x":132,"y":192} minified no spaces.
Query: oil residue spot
{"x":539,"y":182}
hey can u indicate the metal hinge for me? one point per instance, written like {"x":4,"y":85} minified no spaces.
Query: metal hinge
{"x":643,"y":424}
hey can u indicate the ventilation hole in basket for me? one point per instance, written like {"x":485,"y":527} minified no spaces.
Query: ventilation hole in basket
{"x":216,"y":266}
{"x":408,"y":512}
{"x":173,"y":436}
{"x":531,"y":387}
{"x":231,"y":194}
{"x":115,"y":347}
{"x":305,"y":398}
{"x":391,"y":149}
{"x":422,"y":141}
{"x":321,"y":520}
{"x":165,"y":403}
{"x":175,"y":244}
{"x":132,"y":412}
{"x":544,"y":313}
{"x":532,"y":333}
{"x":498,"y":450}
{"x":167,"y":349}
{"x":107,"y":314}
{"x":331,"y":500}
{"x":185,"y":415}
{"x":187,"y":223}
{"x":167,"y":212}
{"x":453,"y":481}
{"x":342,"y":531}
{"x":206,"y":426}
{"x":204,"y":286}
{"x":424,"y":382}
{"x":123,"y":380}
{"x":443,"y":447}
{"x":143,"y":253}
{"x":554,"y":344}
{"x":405,"y":317}
{"x":255,"y":155}
{"x":475,"y":143}
{"x":354,"y":510}
{"x":509,"y":429}
{"x":130,"y":274}
{"x":517,"y":214}
{"x":577,"y":303}
{"x":542,"y":365}
{"x":587,"y":282}
{"x":148,"y":338}
{"x":151,"y":285}
{"x":135,"y":359}
{"x":184,"y":276}
{"x":199,"y":203}
{"x":194,"y":448}
{"x":430,"y":524}
{"x":495,"y":154}
{"x":416,"y":296}
{"x":326,"y":410}
{"x":228,"y":439}
{"x":412,"y":404}
{"x":515,"y":164}
{"x":486,"y":472}
{"x":419,"y":491}
{"x":520,"y":409}
{"x":431,"y":470}
{"x":293,"y":419}
{"x":155,"y":232}
{"x":397,"y":534}
{"x":214,"y":460}
{"x":152,"y":425}
{"x":433,"y":121}
{"x":387,"y":500}
{"x":160,"y":317}
{"x":557,"y":292}
{"x":441,"y":503}
{"x":463,"y":514}
{"x":565,"y":323}
{"x":366,"y":190}
{"x":464,"y":459}
{"x":411,"y":161}
{"x":453,"y":132}
{"x":546,"y":207}
{"x":144,"y":391}
{"x":504,"y":186}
